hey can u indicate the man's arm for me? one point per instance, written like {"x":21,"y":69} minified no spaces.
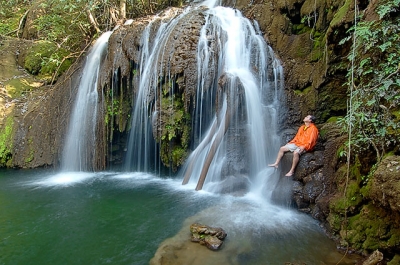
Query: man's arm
{"x":297,"y":137}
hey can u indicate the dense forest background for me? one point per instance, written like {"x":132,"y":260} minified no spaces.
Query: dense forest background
{"x":67,"y":27}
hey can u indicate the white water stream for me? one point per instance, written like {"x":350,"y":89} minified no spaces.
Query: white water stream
{"x":80,"y":143}
{"x":142,"y":152}
{"x":249,"y":63}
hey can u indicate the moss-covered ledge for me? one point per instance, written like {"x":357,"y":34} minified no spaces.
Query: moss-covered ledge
{"x":372,"y":219}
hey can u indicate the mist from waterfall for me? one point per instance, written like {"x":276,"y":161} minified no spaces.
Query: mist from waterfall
{"x":80,"y":144}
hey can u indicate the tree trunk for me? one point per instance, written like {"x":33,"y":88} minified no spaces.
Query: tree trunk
{"x":92,"y":20}
{"x":214,"y":147}
{"x":198,"y":150}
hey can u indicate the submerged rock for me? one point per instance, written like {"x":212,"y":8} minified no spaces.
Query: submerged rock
{"x":211,"y":237}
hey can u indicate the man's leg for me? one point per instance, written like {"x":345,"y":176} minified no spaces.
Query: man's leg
{"x":296,"y":158}
{"x":281,"y":152}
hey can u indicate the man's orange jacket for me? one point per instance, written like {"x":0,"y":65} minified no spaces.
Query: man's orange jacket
{"x":306,"y":137}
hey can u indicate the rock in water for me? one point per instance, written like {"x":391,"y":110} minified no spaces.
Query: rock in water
{"x":211,"y":237}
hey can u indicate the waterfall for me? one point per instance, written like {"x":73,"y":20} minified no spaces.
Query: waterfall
{"x":234,"y":117}
{"x":80,"y":144}
{"x":142,"y":153}
{"x":249,"y":65}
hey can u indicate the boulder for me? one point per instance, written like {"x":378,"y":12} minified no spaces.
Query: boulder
{"x":211,"y":237}
{"x":385,"y":188}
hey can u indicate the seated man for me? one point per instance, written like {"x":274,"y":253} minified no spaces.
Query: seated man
{"x":304,"y":141}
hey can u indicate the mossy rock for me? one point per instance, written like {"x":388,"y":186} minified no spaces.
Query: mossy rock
{"x":350,"y":202}
{"x":354,"y":175}
{"x":373,"y":228}
{"x":307,"y":91}
{"x":342,"y":14}
{"x":395,"y":260}
{"x":332,"y":101}
{"x":316,"y":55}
{"x":354,"y":197}
{"x":45,"y":59}
{"x":30,"y":156}
{"x":334,"y":119}
{"x":17,"y":87}
{"x":307,"y":96}
{"x":174,"y":134}
{"x":335,"y":221}
{"x":6,"y":140}
{"x":300,"y":29}
{"x":179,"y":156}
{"x":318,"y":52}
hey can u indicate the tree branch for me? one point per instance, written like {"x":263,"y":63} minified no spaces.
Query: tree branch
{"x":92,"y":21}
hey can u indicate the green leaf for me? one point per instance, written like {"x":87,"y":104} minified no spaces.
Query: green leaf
{"x":371,"y":102}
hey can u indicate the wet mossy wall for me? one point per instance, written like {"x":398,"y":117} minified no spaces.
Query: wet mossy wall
{"x":171,"y":125}
{"x":6,"y":142}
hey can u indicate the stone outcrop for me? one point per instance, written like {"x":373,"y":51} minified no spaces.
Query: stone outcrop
{"x":174,"y":70}
{"x":315,"y":173}
{"x":33,"y":116}
{"x":385,"y":184}
{"x":178,"y":58}
{"x":211,"y":237}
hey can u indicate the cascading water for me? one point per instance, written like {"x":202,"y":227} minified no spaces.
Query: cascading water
{"x":249,"y":65}
{"x":234,"y":118}
{"x":142,"y":153}
{"x":80,"y":145}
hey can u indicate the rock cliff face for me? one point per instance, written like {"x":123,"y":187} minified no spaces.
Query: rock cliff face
{"x":33,"y":116}
{"x":304,"y":35}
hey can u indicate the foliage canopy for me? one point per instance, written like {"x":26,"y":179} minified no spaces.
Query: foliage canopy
{"x":70,"y":24}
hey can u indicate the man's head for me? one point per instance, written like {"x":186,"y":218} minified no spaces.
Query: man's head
{"x":310,"y":119}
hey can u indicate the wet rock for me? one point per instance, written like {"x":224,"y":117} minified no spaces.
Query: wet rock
{"x":308,"y":179}
{"x":35,"y":114}
{"x":234,"y":185}
{"x":211,"y":237}
{"x":298,"y":195}
{"x":309,"y":163}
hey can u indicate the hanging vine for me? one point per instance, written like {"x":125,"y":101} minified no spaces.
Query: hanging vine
{"x":375,"y":82}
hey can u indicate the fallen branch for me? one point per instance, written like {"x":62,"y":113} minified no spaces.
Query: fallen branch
{"x":214,"y":147}
{"x":197,"y":152}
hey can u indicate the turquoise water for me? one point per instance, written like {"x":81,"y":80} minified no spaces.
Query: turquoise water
{"x":121,"y":218}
